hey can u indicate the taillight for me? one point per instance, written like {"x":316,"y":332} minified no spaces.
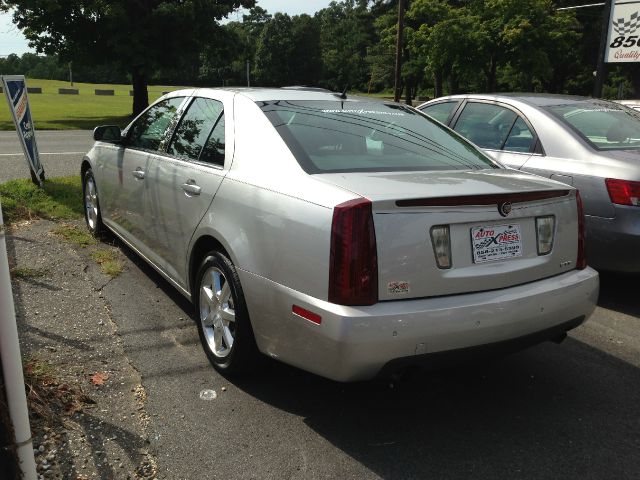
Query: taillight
{"x":581,"y":261}
{"x":353,"y":268}
{"x":623,"y":192}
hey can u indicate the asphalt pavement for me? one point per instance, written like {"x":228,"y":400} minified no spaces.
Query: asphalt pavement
{"x":569,"y":410}
{"x":61,"y":153}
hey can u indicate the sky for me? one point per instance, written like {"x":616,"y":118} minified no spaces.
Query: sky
{"x":12,"y":40}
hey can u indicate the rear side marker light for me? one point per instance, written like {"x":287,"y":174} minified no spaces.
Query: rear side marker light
{"x":545,"y":228}
{"x":623,"y":192}
{"x":441,"y":241}
{"x":307,"y":315}
{"x":581,"y":261}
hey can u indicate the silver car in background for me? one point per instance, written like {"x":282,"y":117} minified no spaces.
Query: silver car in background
{"x":591,"y":144}
{"x":338,"y":235}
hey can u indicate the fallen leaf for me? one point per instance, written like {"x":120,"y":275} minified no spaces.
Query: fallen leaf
{"x":99,"y":378}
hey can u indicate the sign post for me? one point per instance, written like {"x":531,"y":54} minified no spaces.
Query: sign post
{"x":15,"y":88}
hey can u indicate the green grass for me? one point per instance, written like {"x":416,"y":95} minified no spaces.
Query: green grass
{"x":59,"y":199}
{"x":108,"y":260}
{"x":52,"y":111}
{"x":73,"y":234}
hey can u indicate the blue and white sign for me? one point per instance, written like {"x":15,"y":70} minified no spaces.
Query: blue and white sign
{"x":15,"y":89}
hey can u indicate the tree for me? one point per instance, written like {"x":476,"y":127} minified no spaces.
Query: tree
{"x":346,"y":31}
{"x":274,"y":50}
{"x":139,"y":36}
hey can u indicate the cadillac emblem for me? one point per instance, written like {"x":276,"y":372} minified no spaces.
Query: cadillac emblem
{"x":504,"y":208}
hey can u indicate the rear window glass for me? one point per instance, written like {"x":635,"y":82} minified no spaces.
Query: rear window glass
{"x":604,"y":125}
{"x":328,"y":136}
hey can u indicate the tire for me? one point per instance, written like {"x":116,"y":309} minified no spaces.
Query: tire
{"x":91,"y":204}
{"x":223,"y":320}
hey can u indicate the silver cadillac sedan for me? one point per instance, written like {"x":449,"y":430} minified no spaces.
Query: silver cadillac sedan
{"x":340,"y":235}
{"x":591,"y":144}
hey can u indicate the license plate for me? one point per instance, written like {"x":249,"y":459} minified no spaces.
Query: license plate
{"x":496,"y":242}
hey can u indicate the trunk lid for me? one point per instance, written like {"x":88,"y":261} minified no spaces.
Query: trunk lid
{"x":407,"y":205}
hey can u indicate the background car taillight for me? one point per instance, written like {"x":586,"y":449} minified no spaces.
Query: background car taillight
{"x":353,"y":268}
{"x":581,"y":261}
{"x":623,"y":192}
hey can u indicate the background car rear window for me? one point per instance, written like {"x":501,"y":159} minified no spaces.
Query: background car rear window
{"x":605,"y":126}
{"x":340,"y":136}
{"x":195,"y":130}
{"x":150,"y":128}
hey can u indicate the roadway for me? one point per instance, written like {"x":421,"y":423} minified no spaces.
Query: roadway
{"x":60,"y":153}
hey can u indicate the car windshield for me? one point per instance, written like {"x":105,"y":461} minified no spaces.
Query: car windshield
{"x":341,"y":136}
{"x":604,"y":125}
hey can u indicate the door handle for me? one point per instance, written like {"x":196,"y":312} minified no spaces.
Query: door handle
{"x":138,"y":173}
{"x":191,"y":188}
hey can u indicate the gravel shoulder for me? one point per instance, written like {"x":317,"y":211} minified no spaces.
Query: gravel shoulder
{"x":65,"y":327}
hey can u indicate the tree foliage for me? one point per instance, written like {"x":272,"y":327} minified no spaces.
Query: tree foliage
{"x":133,"y":35}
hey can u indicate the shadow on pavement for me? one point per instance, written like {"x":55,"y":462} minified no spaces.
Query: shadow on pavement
{"x":554,"y":411}
{"x":620,"y":292}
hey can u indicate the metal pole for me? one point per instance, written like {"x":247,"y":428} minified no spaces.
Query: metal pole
{"x":248,"y":83}
{"x":70,"y":74}
{"x":12,"y":367}
{"x":399,"y":42}
{"x":601,"y":68}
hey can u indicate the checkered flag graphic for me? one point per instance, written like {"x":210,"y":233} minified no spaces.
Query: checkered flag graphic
{"x":625,"y":28}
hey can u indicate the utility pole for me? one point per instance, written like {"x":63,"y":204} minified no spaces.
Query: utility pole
{"x":601,"y":69}
{"x":248,"y":82}
{"x":399,"y":43}
{"x":70,"y":74}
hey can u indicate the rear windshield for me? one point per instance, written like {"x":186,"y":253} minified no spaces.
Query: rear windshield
{"x":604,"y":125}
{"x":327,"y":136}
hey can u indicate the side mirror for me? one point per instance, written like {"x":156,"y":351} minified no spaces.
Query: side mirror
{"x":107,"y":133}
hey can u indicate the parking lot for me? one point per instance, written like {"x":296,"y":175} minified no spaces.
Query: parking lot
{"x":554,"y":411}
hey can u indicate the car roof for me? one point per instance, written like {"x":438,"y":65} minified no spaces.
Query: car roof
{"x":259,"y":94}
{"x":534,"y":99}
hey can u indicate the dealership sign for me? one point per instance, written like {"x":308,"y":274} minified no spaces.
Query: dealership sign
{"x":15,"y":89}
{"x":623,"y":39}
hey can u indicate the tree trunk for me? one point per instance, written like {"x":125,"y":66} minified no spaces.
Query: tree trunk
{"x":437,"y":84}
{"x":491,"y":75}
{"x":409,"y":93}
{"x":635,"y":80}
{"x":454,"y":85}
{"x":140,"y":93}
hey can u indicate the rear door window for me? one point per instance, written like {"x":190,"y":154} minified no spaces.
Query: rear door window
{"x":195,"y":130}
{"x":149,"y":130}
{"x":440,"y":111}
{"x":485,"y":124}
{"x":520,"y":138}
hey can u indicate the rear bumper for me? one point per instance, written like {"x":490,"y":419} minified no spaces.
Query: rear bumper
{"x":612,"y":243}
{"x":355,"y":343}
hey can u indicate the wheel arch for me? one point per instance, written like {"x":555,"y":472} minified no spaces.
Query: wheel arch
{"x":203,"y":245}
{"x":86,"y":165}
